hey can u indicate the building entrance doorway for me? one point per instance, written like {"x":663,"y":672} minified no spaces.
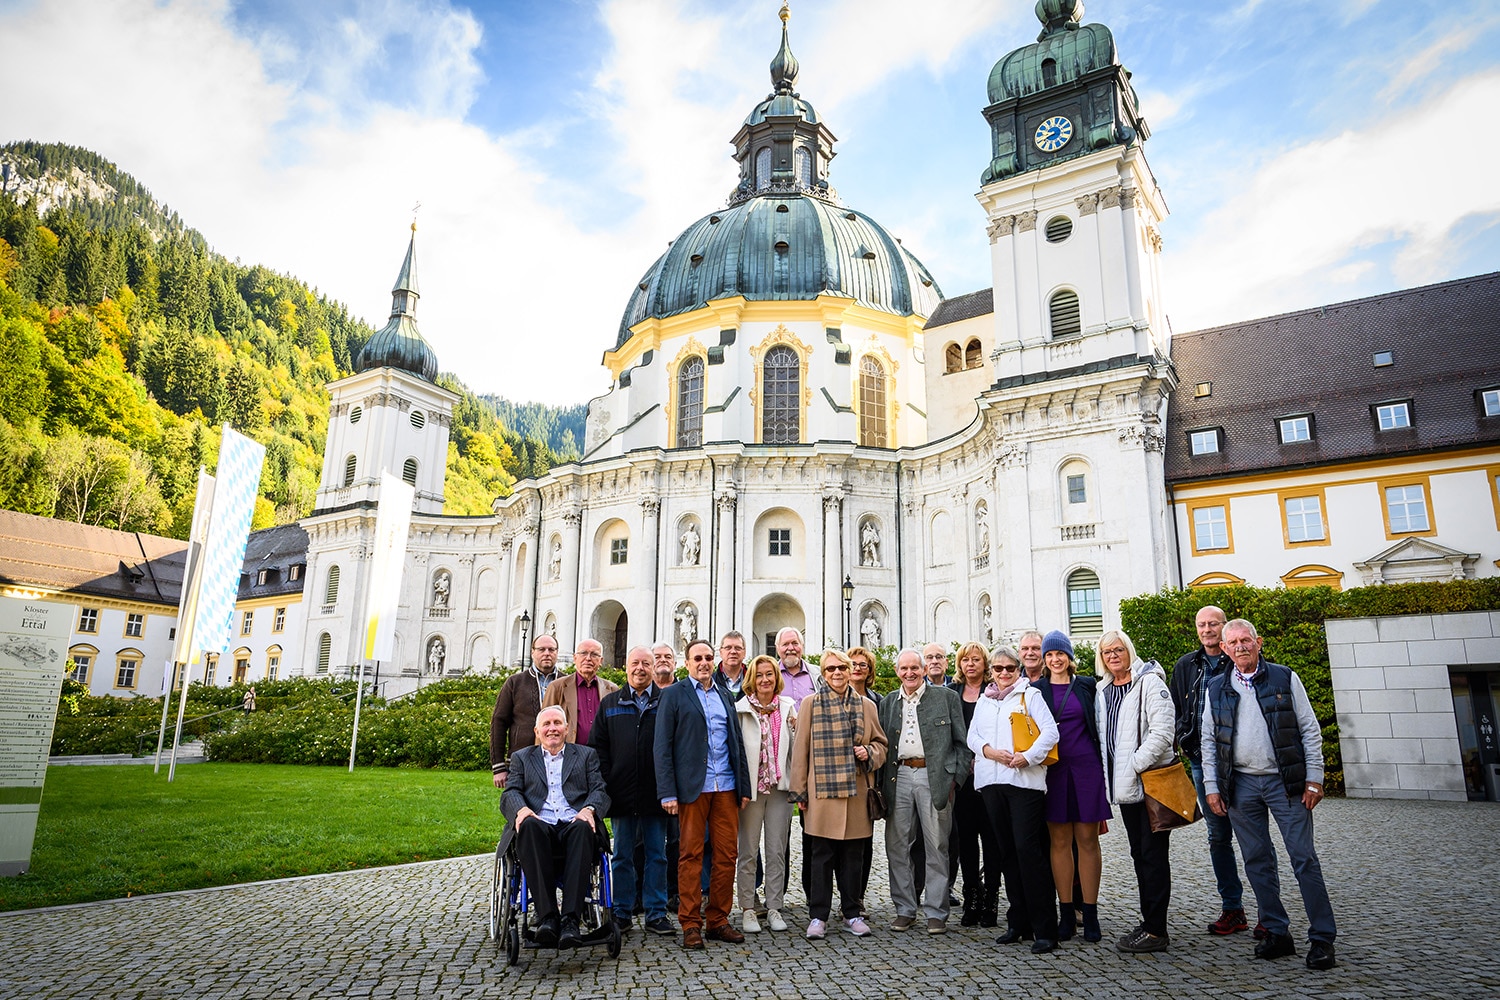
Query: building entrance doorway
{"x":1474,"y":706}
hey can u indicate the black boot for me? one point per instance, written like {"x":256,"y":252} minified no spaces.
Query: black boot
{"x":1065,"y":922}
{"x":971,"y":907}
{"x":1091,"y":930}
{"x":989,"y":913}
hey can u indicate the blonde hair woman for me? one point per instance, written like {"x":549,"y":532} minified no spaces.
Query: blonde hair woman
{"x":971,"y":821}
{"x":767,"y":720}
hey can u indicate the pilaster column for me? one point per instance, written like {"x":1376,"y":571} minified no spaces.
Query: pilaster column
{"x":722,"y":615}
{"x":647,"y":571}
{"x":567,"y":611}
{"x":832,"y":625}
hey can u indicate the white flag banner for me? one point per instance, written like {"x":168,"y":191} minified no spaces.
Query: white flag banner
{"x":192,"y":577}
{"x":387,"y":563}
{"x":236,"y":485}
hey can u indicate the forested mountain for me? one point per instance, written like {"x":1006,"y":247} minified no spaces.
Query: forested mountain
{"x":125,"y":341}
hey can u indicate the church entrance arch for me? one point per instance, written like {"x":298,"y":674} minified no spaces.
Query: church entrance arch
{"x":610,"y":626}
{"x":774,"y":613}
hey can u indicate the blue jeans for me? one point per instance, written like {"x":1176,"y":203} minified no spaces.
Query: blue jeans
{"x":1257,"y":799}
{"x":1220,"y":847}
{"x":651,"y":831}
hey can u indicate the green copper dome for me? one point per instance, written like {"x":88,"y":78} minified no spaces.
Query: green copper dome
{"x":1074,"y":50}
{"x":783,"y":247}
{"x":399,"y":344}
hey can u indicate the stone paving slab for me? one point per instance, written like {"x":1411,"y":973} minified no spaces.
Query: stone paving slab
{"x":1412,"y":886}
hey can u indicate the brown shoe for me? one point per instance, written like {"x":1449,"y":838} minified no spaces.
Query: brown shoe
{"x":692,"y":938}
{"x":903,"y":923}
{"x":724,"y":932}
{"x":937,"y":925}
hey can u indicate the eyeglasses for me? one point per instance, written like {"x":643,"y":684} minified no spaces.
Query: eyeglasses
{"x":1004,"y":668}
{"x":589,"y":654}
{"x":835,"y":666}
{"x":1113,"y":651}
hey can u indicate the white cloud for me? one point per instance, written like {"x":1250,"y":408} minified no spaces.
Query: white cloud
{"x":1302,"y":228}
{"x":1432,"y":57}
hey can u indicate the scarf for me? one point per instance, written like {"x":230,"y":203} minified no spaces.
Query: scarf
{"x":999,"y":694}
{"x":837,"y":725}
{"x":768,"y":773}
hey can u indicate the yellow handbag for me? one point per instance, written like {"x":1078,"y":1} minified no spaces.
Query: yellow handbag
{"x":1024,"y":732}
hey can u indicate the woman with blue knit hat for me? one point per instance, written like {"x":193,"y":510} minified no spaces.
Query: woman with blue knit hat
{"x":1076,"y":802}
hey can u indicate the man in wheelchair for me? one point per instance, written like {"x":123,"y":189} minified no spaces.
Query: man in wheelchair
{"x":554,"y":804}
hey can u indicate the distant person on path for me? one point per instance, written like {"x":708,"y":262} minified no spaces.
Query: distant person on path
{"x":1263,"y":758}
{"x":513,"y":724}
{"x":1189,"y":684}
{"x":580,"y":693}
{"x":553,"y":803}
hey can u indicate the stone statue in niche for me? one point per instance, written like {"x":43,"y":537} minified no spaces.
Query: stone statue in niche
{"x":690,"y":544}
{"x":987,"y":618}
{"x":687,"y":626}
{"x":983,"y":526}
{"x":437,"y":652}
{"x":554,"y":565}
{"x":441,"y":585}
{"x":869,"y":631}
{"x":869,"y":544}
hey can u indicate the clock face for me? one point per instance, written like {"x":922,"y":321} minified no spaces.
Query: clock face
{"x":1053,"y":134}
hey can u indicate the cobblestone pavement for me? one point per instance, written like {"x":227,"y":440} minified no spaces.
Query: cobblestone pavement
{"x":1412,"y":885}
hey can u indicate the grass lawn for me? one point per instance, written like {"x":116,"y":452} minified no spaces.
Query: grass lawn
{"x":106,"y":832}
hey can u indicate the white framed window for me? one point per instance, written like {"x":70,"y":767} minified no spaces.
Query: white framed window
{"x":88,"y":619}
{"x":1078,"y":489}
{"x":273,"y":666}
{"x":1210,"y":528}
{"x":278,"y":621}
{"x":247,"y":622}
{"x":1304,"y":519}
{"x":781,"y":542}
{"x":1085,"y":603}
{"x":82,"y":662}
{"x":126,"y":669}
{"x":1204,"y":442}
{"x":135,"y":625}
{"x":210,"y":668}
{"x":1490,"y":400}
{"x":1393,"y":416}
{"x":1295,"y":429}
{"x":619,"y":551}
{"x":1406,"y":507}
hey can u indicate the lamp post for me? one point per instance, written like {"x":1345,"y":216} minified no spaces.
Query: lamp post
{"x":525,"y":649}
{"x":848,"y":590}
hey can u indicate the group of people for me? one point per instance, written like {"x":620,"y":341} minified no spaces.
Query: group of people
{"x":1005,"y":776}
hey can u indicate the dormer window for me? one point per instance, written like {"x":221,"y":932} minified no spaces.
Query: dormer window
{"x":1489,"y":402}
{"x":1205,"y":441}
{"x":1295,"y":430}
{"x":1393,"y":416}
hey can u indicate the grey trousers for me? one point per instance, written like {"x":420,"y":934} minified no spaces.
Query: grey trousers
{"x":911,"y":816}
{"x":769,"y":813}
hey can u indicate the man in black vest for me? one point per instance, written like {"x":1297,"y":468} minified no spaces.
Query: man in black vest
{"x":1263,"y":758}
{"x":1190,"y":679}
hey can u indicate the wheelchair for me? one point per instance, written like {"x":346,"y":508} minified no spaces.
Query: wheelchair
{"x":510,"y":912}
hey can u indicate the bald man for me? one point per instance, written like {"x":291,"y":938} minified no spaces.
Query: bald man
{"x":935,"y":663}
{"x":580,"y":692}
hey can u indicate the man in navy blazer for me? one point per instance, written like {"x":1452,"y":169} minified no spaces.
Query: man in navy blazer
{"x":702,"y":780}
{"x":554,"y":804}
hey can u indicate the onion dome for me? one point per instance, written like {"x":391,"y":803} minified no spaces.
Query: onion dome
{"x":399,"y":344}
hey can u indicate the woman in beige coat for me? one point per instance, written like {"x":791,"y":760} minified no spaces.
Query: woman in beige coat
{"x":838,"y":748}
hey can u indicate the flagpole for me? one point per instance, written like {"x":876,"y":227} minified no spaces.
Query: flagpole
{"x":166,"y":703}
{"x":187,"y":681}
{"x":359,"y":691}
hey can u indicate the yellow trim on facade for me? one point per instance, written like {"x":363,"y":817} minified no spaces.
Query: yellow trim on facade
{"x":874,"y":348}
{"x":1217,"y":579}
{"x":1273,"y":482}
{"x":1283,"y":496}
{"x":134,"y":656}
{"x":125,"y":632}
{"x":781,"y":335}
{"x":1492,"y":476}
{"x":732,"y":313}
{"x":691,"y":349}
{"x":1424,"y":481}
{"x":39,"y":593}
{"x":1313,"y":575}
{"x":274,"y":601}
{"x":1228,"y":527}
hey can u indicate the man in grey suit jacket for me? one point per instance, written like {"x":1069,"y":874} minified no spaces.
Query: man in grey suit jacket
{"x":554,"y":803}
{"x":929,"y":758}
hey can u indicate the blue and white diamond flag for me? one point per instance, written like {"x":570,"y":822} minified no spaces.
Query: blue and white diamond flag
{"x":236,"y":485}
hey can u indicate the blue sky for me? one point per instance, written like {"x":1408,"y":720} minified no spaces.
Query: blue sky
{"x":1309,"y":151}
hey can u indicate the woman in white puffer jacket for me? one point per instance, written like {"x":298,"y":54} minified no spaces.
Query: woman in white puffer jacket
{"x":1013,"y":786}
{"x":1136,"y":728}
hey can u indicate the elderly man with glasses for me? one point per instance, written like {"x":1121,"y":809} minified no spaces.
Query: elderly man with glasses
{"x":580,"y":693}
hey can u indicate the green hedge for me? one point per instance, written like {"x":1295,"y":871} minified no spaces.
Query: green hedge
{"x":1290,"y":621}
{"x":449,"y":736}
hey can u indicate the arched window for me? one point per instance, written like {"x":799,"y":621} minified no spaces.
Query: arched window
{"x":781,"y":381}
{"x":1049,"y":72}
{"x":690,"y":403}
{"x":1063,"y":312}
{"x":804,"y":166}
{"x":325,"y":652}
{"x":1085,"y":603}
{"x":349,"y":464}
{"x":953,"y":359}
{"x":872,"y":402}
{"x":763,"y":169}
{"x":409,"y":472}
{"x":331,"y":589}
{"x":971,"y":354}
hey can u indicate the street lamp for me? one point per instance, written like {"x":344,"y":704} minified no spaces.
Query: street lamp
{"x":525,"y":649}
{"x":848,"y":601}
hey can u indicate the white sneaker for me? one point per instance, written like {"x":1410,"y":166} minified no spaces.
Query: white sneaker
{"x":858,"y":927}
{"x":776,"y":921}
{"x":817,"y":930}
{"x":749,"y":924}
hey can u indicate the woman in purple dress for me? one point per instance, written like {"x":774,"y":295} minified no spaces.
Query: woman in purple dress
{"x":1077,"y":809}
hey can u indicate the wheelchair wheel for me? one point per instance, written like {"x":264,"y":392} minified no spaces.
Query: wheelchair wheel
{"x":499,"y":893}
{"x":512,"y":945}
{"x":614,"y":941}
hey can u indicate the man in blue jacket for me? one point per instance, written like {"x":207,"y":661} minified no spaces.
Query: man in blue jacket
{"x":702,"y":779}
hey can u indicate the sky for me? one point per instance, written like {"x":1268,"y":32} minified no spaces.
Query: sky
{"x":1310,"y":151}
